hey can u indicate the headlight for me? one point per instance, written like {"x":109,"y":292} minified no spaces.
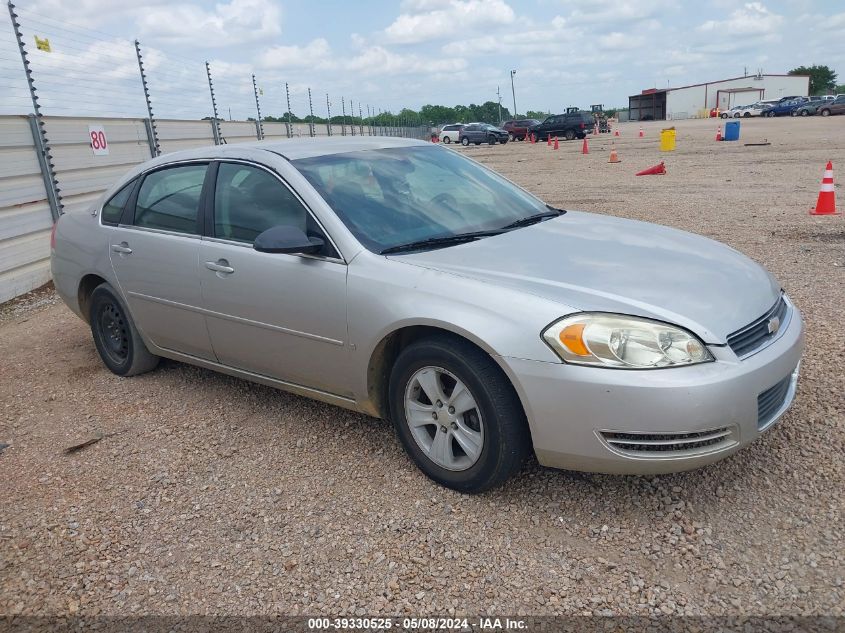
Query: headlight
{"x":623,"y":342}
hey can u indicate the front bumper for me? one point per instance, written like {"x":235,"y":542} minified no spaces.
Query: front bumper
{"x":657,"y":421}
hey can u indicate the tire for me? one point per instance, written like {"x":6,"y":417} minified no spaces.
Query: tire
{"x":736,"y":116}
{"x":511,"y":137}
{"x":746,"y":115}
{"x":115,"y":336}
{"x":503,"y":141}
{"x":447,"y":139}
{"x":724,"y":115}
{"x":465,"y":141}
{"x":825,"y":112}
{"x":805,"y":113}
{"x":793,"y":113}
{"x":770,"y":114}
{"x":496,"y":419}
{"x":569,"y":135}
{"x":478,"y":142}
{"x":491,"y":140}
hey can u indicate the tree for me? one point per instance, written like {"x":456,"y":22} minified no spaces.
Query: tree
{"x":840,"y":89}
{"x":536,"y":114}
{"x":822,"y":78}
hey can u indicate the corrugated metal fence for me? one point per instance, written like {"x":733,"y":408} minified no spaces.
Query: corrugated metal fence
{"x":25,"y":214}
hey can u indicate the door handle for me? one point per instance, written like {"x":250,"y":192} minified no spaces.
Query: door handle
{"x":220,"y":266}
{"x":122,"y":248}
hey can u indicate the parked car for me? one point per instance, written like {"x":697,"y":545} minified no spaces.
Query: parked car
{"x":567,"y":126}
{"x":402,"y":280}
{"x":809,"y":107}
{"x":835,"y":107}
{"x":734,"y":113}
{"x":784,"y":107}
{"x":451,"y":133}
{"x":479,"y":133}
{"x":518,"y":128}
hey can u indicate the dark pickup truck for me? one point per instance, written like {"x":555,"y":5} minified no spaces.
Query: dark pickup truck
{"x":567,"y":126}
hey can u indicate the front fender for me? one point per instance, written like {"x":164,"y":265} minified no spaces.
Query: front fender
{"x":387,"y":295}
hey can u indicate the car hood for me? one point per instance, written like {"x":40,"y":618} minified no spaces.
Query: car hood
{"x":601,"y":263}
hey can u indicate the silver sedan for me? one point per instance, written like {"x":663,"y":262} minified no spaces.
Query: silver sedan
{"x":402,"y":280}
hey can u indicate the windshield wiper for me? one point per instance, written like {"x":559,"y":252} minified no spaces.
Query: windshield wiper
{"x":445,"y":240}
{"x":534,"y":219}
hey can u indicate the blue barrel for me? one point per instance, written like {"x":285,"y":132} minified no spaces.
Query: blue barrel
{"x":732,"y":131}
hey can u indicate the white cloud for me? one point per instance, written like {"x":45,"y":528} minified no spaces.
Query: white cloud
{"x":236,"y":22}
{"x":312,"y":55}
{"x":617,"y":41}
{"x":619,"y":12}
{"x":378,"y":60}
{"x":427,"y":20}
{"x":752,"y":18}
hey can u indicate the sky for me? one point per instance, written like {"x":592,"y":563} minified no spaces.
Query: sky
{"x":390,"y":55}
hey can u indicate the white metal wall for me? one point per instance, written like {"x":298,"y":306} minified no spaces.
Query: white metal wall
{"x":25,"y":219}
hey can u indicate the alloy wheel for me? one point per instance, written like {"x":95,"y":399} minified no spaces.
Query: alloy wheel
{"x":444,"y":418}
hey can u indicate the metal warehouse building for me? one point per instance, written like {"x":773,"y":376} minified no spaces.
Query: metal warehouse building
{"x":696,"y":100}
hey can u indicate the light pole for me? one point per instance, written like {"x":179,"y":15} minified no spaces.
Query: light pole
{"x":499,"y":95}
{"x":513,"y":92}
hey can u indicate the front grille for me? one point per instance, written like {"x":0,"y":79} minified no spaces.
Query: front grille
{"x":757,"y":334}
{"x":770,"y":401}
{"x":667,"y":444}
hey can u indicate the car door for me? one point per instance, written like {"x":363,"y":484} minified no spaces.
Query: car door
{"x":154,"y":252}
{"x":273,"y":314}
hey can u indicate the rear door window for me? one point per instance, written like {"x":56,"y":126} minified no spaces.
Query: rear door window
{"x":169,"y":199}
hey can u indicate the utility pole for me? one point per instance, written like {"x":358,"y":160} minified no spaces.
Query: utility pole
{"x":499,"y":95}
{"x":513,"y":92}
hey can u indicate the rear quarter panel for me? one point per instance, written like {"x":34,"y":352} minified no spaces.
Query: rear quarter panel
{"x":82,"y":248}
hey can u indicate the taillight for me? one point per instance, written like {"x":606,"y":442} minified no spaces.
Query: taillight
{"x":53,"y":236}
{"x":582,"y":125}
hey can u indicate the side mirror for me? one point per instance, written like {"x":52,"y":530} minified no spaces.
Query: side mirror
{"x":286,"y":239}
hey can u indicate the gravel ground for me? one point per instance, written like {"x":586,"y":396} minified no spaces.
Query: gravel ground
{"x":211,"y":495}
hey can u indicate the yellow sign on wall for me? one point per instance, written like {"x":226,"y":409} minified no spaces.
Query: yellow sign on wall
{"x":43,"y":45}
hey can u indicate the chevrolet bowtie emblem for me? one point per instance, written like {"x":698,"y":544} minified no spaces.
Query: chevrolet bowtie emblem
{"x":774,"y":325}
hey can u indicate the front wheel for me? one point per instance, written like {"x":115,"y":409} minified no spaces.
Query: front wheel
{"x":770,"y":114}
{"x":805,"y":113}
{"x":115,"y":336}
{"x":511,"y":137}
{"x":746,"y":115}
{"x":465,"y":141}
{"x":569,"y":135}
{"x":825,"y":112}
{"x":447,"y":139}
{"x":457,"y":415}
{"x":724,"y":115}
{"x":491,"y":140}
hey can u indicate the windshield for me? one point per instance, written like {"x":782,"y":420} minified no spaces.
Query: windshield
{"x":389,"y":197}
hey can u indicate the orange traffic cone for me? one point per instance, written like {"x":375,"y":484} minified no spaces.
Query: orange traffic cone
{"x":549,"y":140}
{"x":585,"y":148}
{"x":614,"y":157}
{"x":641,"y":132}
{"x":556,"y":143}
{"x":719,"y":133}
{"x":533,"y":138}
{"x":616,"y":133}
{"x":657,"y":170}
{"x":826,"y":204}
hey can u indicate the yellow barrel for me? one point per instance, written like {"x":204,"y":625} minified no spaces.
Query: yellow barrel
{"x":667,"y":140}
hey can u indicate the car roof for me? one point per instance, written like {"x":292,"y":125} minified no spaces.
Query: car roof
{"x":295,"y":148}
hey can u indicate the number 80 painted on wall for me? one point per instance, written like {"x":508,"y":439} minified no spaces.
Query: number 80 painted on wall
{"x":97,"y":136}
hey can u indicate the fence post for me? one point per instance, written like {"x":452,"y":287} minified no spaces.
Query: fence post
{"x":343,"y":120}
{"x":215,"y":122}
{"x":311,"y":132}
{"x":259,"y":127}
{"x":39,"y":132}
{"x":155,"y":148}
{"x":287,"y":96}
{"x":361,"y":120}
{"x":329,"y":114}
{"x":151,"y":136}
